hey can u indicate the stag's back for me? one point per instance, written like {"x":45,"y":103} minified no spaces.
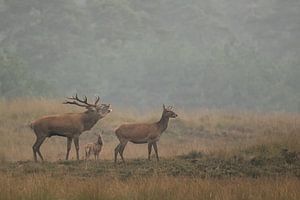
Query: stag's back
{"x":70,"y":122}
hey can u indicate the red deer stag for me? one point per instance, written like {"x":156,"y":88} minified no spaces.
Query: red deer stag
{"x":143,"y":133}
{"x":69,"y":125}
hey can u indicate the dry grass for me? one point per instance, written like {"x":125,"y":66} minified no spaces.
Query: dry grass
{"x":203,"y":130}
{"x":229,"y":136}
{"x":48,"y":187}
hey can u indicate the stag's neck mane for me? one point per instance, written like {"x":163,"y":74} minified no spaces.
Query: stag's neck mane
{"x":163,"y":123}
{"x":89,"y":119}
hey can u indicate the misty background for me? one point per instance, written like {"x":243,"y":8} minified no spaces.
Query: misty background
{"x":236,"y":54}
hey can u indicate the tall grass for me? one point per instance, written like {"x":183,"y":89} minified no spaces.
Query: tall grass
{"x":47,"y":187}
{"x":203,"y":130}
{"x":213,"y":132}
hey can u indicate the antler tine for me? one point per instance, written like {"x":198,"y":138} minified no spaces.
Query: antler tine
{"x":84,"y":101}
{"x":97,"y":100}
{"x":70,"y":97}
{"x":74,"y":97}
{"x":81,"y":101}
{"x":75,"y":103}
{"x":170,"y":107}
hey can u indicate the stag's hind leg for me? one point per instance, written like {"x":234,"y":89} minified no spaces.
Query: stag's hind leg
{"x":36,"y":147}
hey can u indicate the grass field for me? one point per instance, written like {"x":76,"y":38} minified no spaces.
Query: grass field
{"x":206,"y":154}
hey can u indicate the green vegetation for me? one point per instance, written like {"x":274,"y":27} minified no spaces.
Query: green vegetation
{"x":16,"y":79}
{"x":212,"y":54}
{"x":194,"y":164}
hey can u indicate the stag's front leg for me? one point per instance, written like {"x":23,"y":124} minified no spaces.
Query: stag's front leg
{"x":156,"y":151}
{"x":76,"y":142}
{"x":149,"y":149}
{"x":69,"y":142}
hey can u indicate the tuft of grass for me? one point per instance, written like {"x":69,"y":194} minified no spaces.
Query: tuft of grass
{"x":192,"y":155}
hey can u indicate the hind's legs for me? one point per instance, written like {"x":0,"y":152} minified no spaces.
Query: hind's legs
{"x":36,"y":148}
{"x":117,"y":151}
{"x":121,"y":150}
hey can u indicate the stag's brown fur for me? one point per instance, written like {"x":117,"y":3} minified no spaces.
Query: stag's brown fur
{"x":143,"y":133}
{"x":69,"y":125}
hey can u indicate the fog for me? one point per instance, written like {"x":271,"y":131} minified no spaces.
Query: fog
{"x":236,"y":54}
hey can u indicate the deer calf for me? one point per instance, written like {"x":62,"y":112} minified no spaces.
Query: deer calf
{"x":143,"y":133}
{"x":93,"y":148}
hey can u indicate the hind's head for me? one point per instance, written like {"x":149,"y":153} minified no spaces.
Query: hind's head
{"x":168,"y":112}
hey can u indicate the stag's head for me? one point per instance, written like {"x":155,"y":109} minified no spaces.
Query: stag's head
{"x":96,"y":108}
{"x":168,"y":112}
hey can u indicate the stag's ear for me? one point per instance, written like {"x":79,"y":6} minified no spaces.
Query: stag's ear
{"x":164,"y":107}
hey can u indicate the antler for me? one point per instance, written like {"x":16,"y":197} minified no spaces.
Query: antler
{"x":84,"y":101}
{"x":97,"y":100}
{"x":75,"y":103}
